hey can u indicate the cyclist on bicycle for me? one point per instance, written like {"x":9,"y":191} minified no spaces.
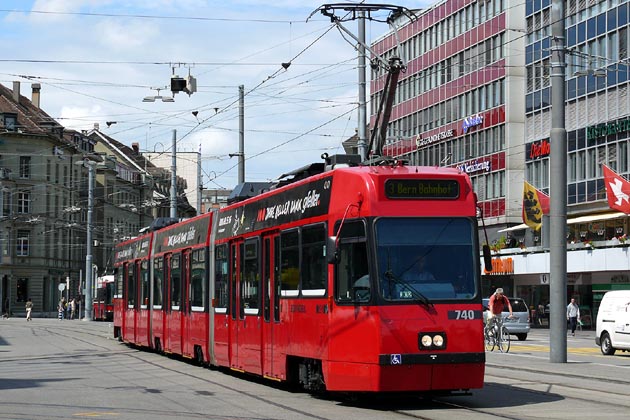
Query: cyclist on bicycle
{"x":496,"y":304}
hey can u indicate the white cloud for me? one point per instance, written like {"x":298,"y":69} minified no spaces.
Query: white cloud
{"x":80,"y":118}
{"x":115,"y":35}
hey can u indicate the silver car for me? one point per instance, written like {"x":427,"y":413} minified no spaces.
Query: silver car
{"x":518,"y":325}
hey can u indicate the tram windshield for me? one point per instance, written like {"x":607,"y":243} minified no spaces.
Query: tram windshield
{"x":426,"y":259}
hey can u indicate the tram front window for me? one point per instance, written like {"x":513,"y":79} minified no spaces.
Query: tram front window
{"x":426,"y":259}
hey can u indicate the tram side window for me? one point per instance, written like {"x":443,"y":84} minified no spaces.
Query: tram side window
{"x":158,"y":278}
{"x":197,"y":283}
{"x":250,"y":282}
{"x":144,"y":283}
{"x":290,"y":266}
{"x":176,"y":279}
{"x":119,"y":282}
{"x":314,"y":267}
{"x":352,"y":284}
{"x":221,"y":279}
{"x":131,"y":285}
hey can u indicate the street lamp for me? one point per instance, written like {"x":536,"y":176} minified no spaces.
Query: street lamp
{"x":158,"y":97}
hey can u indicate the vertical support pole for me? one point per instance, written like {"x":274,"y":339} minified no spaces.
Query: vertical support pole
{"x":88,"y":257}
{"x":199,"y":181}
{"x":174,"y":177}
{"x":241,"y":134}
{"x":558,"y":190}
{"x":362,"y":122}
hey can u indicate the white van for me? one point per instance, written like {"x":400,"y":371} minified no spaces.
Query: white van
{"x":613,"y":322}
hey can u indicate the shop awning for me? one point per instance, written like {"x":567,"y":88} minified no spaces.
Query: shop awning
{"x":581,"y":219}
{"x":595,"y":218}
{"x":517,"y":227}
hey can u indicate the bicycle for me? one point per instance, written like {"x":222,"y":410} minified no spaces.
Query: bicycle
{"x":496,"y":335}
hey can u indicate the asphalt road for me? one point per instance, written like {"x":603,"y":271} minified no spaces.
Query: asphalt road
{"x":52,"y":369}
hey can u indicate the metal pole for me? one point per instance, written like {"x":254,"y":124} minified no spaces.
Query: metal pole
{"x":88,"y":256}
{"x":174,"y":177}
{"x":199,"y":181}
{"x":362,"y":143}
{"x":558,"y":192}
{"x":241,"y":134}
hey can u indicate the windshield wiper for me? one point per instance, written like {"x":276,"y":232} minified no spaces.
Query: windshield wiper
{"x":414,"y":292}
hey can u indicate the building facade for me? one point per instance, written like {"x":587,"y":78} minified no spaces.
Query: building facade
{"x":44,"y":203}
{"x":460,"y":100}
{"x":477,"y":96}
{"x":40,"y":235}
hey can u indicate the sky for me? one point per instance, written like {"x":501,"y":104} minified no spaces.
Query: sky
{"x":97,"y":59}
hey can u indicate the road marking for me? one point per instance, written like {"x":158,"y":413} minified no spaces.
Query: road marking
{"x":545,"y":348}
{"x":94,"y":414}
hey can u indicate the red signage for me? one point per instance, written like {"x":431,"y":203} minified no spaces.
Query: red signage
{"x":538,"y":149}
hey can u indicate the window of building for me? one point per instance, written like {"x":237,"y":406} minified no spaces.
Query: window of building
{"x":23,"y":202}
{"x":22,"y":243}
{"x":22,"y":290}
{"x":25,"y":167}
{"x":10,"y":121}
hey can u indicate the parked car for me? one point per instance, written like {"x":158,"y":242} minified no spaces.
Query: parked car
{"x":518,"y":325}
{"x":613,"y":322}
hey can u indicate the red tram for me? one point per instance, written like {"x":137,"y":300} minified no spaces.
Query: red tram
{"x":359,"y":279}
{"x":103,"y":303}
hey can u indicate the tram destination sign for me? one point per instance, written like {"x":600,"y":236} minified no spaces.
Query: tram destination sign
{"x":435,"y":189}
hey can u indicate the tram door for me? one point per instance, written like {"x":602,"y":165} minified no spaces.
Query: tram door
{"x":220,"y":304}
{"x":235,"y":267}
{"x":174,"y":319}
{"x":129,"y":301}
{"x":186,"y":310}
{"x":270,"y":304}
{"x":250,"y":309}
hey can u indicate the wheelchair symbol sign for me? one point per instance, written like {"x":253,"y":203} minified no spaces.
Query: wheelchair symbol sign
{"x":396,"y":359}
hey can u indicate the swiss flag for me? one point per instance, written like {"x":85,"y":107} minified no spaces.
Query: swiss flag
{"x":617,"y":190}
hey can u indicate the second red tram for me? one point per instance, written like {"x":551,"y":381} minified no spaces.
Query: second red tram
{"x":359,"y":279}
{"x":103,"y":303}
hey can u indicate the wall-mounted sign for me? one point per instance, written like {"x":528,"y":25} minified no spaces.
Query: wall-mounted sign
{"x":606,"y":129}
{"x":501,"y":266}
{"x":472,"y":121}
{"x":420,"y":142}
{"x":538,"y":149}
{"x":475,"y":166}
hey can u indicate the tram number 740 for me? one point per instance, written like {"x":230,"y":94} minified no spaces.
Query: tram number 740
{"x":465,"y":314}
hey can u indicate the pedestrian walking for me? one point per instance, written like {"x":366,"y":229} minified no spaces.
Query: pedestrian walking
{"x":573,"y":315}
{"x":73,"y":308}
{"x":29,"y":309}
{"x":541,"y":314}
{"x":61,"y":309}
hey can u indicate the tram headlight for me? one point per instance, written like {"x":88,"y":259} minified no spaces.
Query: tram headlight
{"x":426,"y":340}
{"x":438,"y":340}
{"x":432,"y":340}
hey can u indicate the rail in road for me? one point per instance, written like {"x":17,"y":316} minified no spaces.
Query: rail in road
{"x":74,"y":369}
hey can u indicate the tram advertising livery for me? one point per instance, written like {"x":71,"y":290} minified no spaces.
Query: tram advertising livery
{"x":355,"y":278}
